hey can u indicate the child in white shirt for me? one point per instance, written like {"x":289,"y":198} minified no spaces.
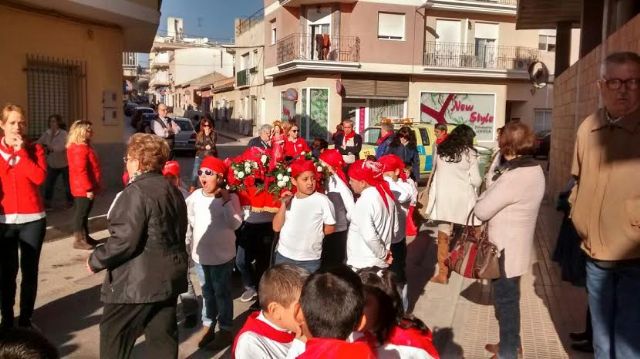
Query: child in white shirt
{"x":334,"y":246}
{"x":303,"y":219}
{"x":269,"y":333}
{"x":214,"y":215}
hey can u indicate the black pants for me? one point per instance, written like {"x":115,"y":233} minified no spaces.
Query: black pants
{"x":334,"y":249}
{"x":26,"y":240}
{"x":50,"y":182}
{"x":82,"y":207}
{"x":255,"y":240}
{"x":399,"y":253}
{"x":122,"y":324}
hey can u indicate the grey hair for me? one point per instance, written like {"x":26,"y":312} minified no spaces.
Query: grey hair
{"x":347,"y":120}
{"x":266,"y":128}
{"x":619,"y":58}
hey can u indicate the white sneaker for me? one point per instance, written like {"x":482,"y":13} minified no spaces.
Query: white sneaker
{"x":248,"y":295}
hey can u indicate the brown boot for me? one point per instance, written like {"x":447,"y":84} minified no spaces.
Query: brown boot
{"x":80,"y":242}
{"x":442,"y":276}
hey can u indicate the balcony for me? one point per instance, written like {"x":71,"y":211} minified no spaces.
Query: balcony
{"x":160,"y":60}
{"x":302,"y":51}
{"x":453,"y":55}
{"x":243,"y":78}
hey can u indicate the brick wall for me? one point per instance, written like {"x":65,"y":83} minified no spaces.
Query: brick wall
{"x":576,"y":96}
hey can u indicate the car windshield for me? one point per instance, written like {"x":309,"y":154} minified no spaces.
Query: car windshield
{"x":371,"y":135}
{"x":145,"y":110}
{"x":184,"y":125}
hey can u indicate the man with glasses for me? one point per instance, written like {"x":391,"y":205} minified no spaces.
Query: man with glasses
{"x":349,"y":143}
{"x":606,"y":207}
{"x":264,"y":138}
{"x":165,"y":128}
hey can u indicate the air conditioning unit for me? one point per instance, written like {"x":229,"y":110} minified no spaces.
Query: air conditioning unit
{"x":520,"y":64}
{"x":253,"y":70}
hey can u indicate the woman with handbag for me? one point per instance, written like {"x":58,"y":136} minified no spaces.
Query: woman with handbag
{"x":453,"y":190}
{"x":511,"y":204}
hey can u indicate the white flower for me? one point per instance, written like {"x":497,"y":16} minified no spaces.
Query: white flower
{"x":235,"y":172}
{"x":319,"y":168}
{"x":288,"y":169}
{"x":264,"y":158}
{"x":281,"y":184}
{"x":228,"y":188}
{"x":285,"y":178}
{"x":279,"y":176}
{"x":302,"y":153}
{"x":240,"y":175}
{"x":254,"y":164}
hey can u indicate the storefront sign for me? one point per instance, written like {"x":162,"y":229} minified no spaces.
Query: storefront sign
{"x":474,"y":110}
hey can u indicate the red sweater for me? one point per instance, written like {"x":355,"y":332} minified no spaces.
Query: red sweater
{"x":84,"y":170}
{"x":295,"y":148}
{"x":321,"y":348}
{"x":21,"y":173}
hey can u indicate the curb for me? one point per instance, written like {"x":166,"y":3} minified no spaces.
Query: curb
{"x":54,"y":233}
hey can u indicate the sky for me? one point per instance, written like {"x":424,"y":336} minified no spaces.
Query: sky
{"x":208,"y":18}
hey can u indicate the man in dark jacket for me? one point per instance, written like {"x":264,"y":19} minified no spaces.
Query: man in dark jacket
{"x":264,"y":138}
{"x":145,"y":258}
{"x":349,"y":143}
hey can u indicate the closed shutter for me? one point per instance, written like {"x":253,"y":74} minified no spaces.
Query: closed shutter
{"x":392,"y":88}
{"x":359,"y":88}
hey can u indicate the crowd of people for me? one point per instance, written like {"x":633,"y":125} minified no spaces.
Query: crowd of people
{"x":327,"y":270}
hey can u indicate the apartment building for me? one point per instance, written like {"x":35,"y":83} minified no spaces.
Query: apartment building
{"x":180,"y":65}
{"x":441,"y":60}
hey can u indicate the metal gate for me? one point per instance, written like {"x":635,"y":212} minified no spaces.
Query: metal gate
{"x":54,"y":86}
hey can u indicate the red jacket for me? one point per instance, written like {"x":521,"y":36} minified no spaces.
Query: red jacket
{"x":21,"y":173}
{"x":84,"y":170}
{"x":325,"y":348}
{"x":294,"y":149}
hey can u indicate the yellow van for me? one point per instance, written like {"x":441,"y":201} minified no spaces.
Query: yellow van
{"x":425,"y":139}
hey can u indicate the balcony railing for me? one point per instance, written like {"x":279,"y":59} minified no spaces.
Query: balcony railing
{"x":317,"y":48}
{"x":242,"y":78}
{"x":460,"y":55}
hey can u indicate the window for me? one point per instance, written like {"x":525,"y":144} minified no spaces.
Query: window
{"x":274,"y":33}
{"x":390,"y":26}
{"x":547,"y":43}
{"x":542,"y":120}
{"x":245,"y":63}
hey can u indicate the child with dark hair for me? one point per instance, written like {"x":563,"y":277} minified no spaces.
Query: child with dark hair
{"x":20,"y":343}
{"x":318,"y":146}
{"x":388,"y":328}
{"x":331,"y":307}
{"x":268,"y":333}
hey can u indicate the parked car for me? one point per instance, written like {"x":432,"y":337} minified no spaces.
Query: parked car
{"x":425,"y":139}
{"x":185,"y":141}
{"x":543,"y":144}
{"x":141,"y":114}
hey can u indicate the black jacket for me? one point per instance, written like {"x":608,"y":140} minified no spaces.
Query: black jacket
{"x":145,"y":255}
{"x":258,"y":142}
{"x":409,"y":155}
{"x":354,"y":150}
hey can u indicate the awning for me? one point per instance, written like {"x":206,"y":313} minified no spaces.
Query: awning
{"x":546,"y":14}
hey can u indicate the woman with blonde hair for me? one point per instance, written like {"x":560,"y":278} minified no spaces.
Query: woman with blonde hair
{"x":145,"y":256}
{"x":84,"y":179}
{"x":22,"y":217}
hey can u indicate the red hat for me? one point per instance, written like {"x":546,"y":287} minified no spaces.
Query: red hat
{"x":215,"y":164}
{"x":301,"y":165}
{"x":371,"y":173}
{"x":334,"y":159}
{"x":171,"y":168}
{"x":391,"y":163}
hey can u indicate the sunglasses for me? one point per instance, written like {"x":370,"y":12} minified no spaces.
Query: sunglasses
{"x":205,"y":125}
{"x":296,"y":131}
{"x":206,"y":172}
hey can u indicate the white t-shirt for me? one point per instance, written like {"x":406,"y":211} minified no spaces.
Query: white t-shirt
{"x":392,"y":351}
{"x":303,"y":230}
{"x":297,"y":348}
{"x":402,"y":192}
{"x":373,"y":226}
{"x":414,"y":191}
{"x":213,"y":227}
{"x":342,"y":198}
{"x":251,"y":345}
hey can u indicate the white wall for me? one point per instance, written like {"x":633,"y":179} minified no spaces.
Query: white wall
{"x":189,"y":64}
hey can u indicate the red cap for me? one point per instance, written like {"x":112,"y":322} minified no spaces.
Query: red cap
{"x":215,"y":164}
{"x":171,"y":168}
{"x":333,"y":158}
{"x":391,"y":163}
{"x":371,"y":172}
{"x":301,"y":165}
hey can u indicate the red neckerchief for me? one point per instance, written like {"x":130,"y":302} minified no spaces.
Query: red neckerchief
{"x":328,"y":348}
{"x":440,"y":140}
{"x":5,"y":148}
{"x":413,"y":337}
{"x":383,"y":138}
{"x":349,"y":136}
{"x":253,"y":324}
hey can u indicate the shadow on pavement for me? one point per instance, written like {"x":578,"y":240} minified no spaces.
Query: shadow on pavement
{"x":478,"y":293}
{"x":60,"y":319}
{"x":421,"y":260}
{"x":447,"y":347}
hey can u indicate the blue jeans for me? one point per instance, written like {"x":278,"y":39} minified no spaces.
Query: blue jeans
{"x":506,"y":301}
{"x":614,"y":301}
{"x":194,"y":173}
{"x":311,"y":265}
{"x":215,"y":281}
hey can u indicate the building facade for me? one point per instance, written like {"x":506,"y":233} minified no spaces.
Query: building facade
{"x":66,"y":57}
{"x":443,"y":60}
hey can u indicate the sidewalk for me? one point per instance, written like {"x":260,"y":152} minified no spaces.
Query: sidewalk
{"x":461,"y":314}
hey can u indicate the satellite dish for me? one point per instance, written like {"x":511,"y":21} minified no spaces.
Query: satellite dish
{"x":538,"y":74}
